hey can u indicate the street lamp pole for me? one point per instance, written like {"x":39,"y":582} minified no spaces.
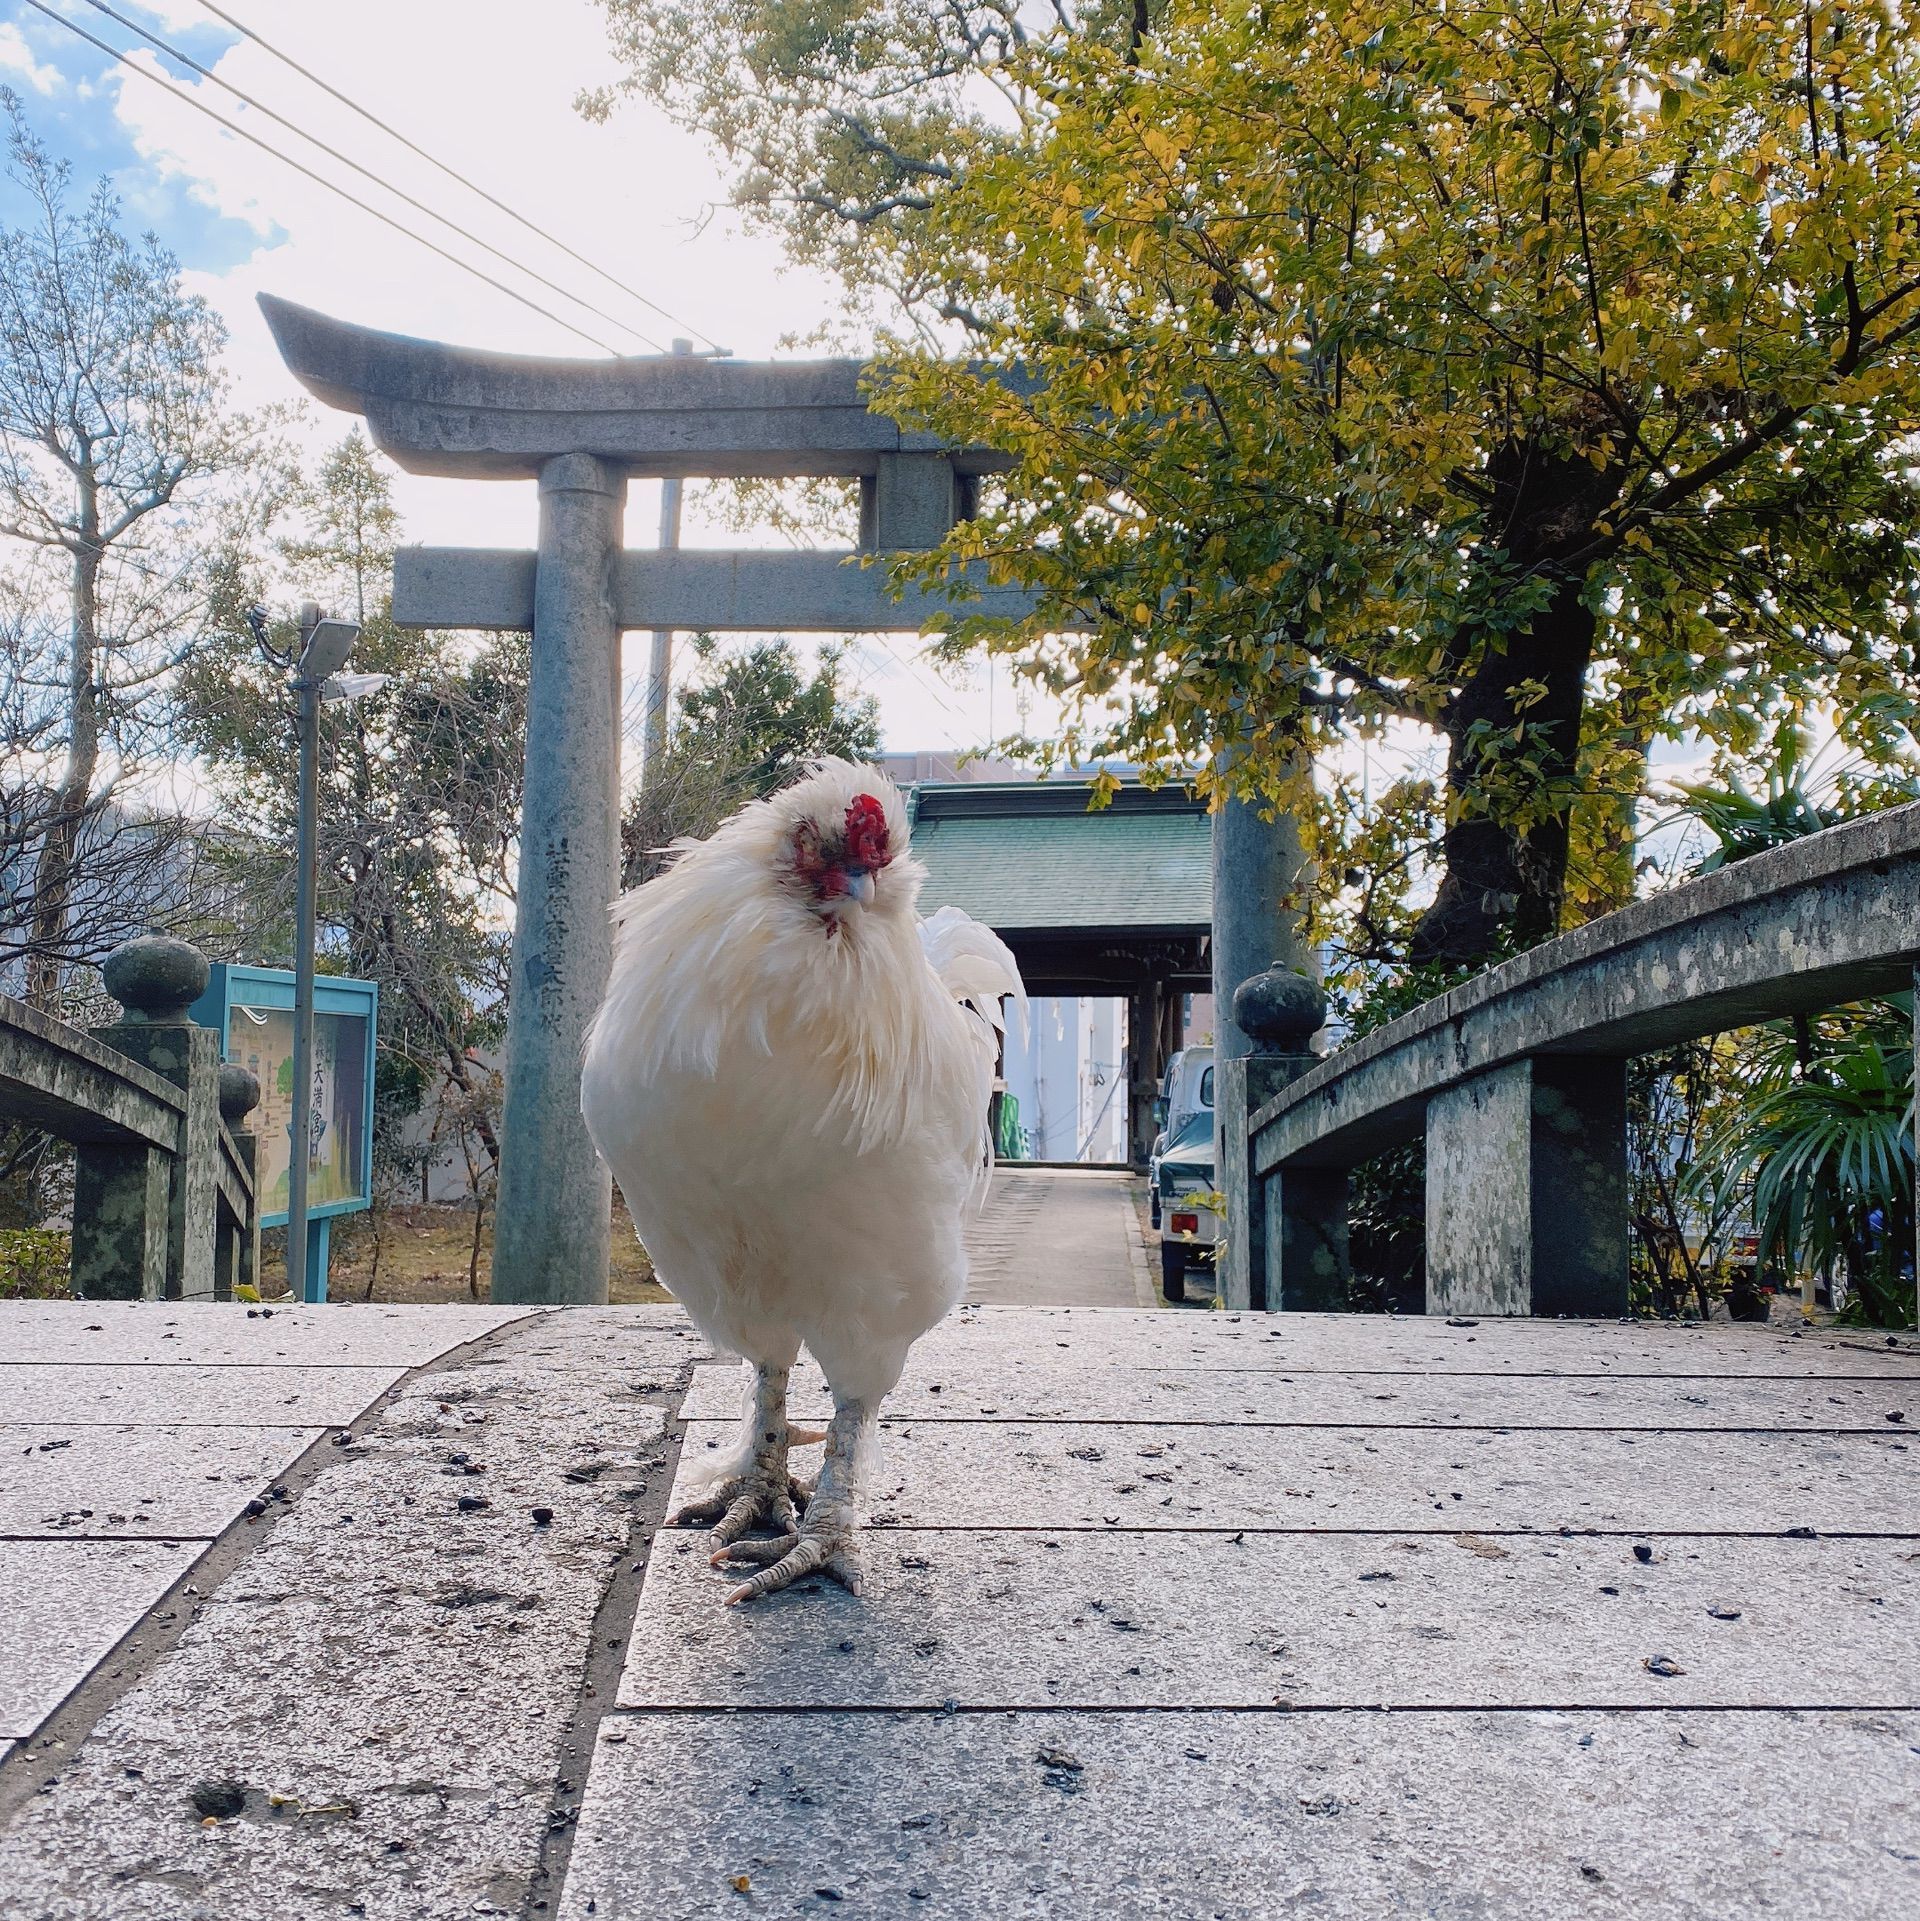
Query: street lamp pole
{"x":323,"y":649}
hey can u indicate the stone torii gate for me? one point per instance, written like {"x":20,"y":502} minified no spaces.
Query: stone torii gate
{"x":581,"y":429}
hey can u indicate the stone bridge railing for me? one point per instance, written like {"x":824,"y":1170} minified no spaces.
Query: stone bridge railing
{"x":1518,"y":1077}
{"x":164,"y":1203}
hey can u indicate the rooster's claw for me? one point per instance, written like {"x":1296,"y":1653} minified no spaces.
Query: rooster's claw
{"x":792,"y":1557}
{"x":744,"y":1502}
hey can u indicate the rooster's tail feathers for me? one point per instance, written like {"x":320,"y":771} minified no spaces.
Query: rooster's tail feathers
{"x":974,"y":965}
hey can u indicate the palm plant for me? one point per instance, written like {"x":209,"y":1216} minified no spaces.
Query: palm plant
{"x":1822,"y":1130}
{"x":1744,"y":823}
{"x":1824,"y":1137}
{"x":1805,"y":789}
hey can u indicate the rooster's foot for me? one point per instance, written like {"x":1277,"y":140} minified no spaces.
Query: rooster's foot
{"x":826,"y":1545}
{"x":762,"y":1493}
{"x":765,"y":1496}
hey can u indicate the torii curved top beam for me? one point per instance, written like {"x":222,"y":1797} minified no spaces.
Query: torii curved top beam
{"x":459,"y":411}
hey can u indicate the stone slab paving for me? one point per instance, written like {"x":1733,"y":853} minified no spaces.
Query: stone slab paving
{"x":134,"y":1433}
{"x":1058,"y":1237}
{"x":82,"y":1393}
{"x":1205,"y":1615}
{"x":1214,"y":1662}
{"x":65,"y":1605}
{"x":1014,"y":1338}
{"x":1137,"y":1475}
{"x":378,"y":1699}
{"x":206,"y":1334}
{"x":1073,"y":1392}
{"x":67,"y":1483}
{"x":1224,"y":1816}
{"x":1021,"y":1620}
{"x":643,"y":1350}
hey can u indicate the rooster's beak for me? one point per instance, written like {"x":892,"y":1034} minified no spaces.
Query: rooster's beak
{"x":860,"y":886}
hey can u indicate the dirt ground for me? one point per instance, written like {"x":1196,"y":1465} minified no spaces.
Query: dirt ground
{"x":424,"y":1254}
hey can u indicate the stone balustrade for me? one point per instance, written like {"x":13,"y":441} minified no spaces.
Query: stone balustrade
{"x":164,"y":1189}
{"x":1518,"y":1077}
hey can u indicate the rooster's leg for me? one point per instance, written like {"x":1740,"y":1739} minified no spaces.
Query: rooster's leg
{"x":762,"y":1493}
{"x":826,"y":1541}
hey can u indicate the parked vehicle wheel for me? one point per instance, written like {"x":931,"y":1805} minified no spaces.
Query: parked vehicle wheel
{"x":1153,"y":1209}
{"x":1173,"y":1270}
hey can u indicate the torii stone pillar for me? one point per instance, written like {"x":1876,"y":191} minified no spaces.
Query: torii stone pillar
{"x":581,"y":429}
{"x":554,"y":1210}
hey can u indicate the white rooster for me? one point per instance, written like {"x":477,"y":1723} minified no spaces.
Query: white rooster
{"x":789,"y":1077}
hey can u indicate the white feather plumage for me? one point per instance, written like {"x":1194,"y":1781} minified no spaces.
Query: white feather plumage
{"x":794,"y":1104}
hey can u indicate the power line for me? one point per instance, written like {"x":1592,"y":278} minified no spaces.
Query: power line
{"x":927,"y":680}
{"x":346,"y":160}
{"x":905,"y":661}
{"x":452,"y":173}
{"x":200,"y":106}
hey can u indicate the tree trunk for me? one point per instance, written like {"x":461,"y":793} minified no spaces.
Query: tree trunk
{"x":53,"y":870}
{"x":1513,"y":750}
{"x":1501,"y":873}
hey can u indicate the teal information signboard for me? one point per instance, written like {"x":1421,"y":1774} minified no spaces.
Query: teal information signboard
{"x":251,"y":1008}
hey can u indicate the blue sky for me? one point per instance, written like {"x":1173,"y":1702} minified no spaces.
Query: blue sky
{"x":70,"y":96}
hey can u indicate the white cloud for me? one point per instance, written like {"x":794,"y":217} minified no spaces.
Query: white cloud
{"x":179,"y":16}
{"x":16,"y":58}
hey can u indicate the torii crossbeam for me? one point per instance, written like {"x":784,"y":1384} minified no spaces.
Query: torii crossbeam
{"x":581,"y":429}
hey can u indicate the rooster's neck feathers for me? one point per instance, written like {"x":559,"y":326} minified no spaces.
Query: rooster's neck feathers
{"x":723,"y":955}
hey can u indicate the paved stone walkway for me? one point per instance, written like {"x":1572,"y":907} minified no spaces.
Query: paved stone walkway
{"x":135,"y":1435}
{"x":1168,"y":1615}
{"x":372,"y":1697}
{"x":1060,"y":1237}
{"x":1210,"y":1615}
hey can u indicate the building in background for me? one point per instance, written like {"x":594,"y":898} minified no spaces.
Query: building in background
{"x":1067,"y":1076}
{"x":1109,"y":915}
{"x":948,"y":769}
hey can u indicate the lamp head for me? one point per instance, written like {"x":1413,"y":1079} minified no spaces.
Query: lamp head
{"x":338,"y":687}
{"x":328,"y":646}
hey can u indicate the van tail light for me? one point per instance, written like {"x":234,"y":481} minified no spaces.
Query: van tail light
{"x":1185,"y":1223}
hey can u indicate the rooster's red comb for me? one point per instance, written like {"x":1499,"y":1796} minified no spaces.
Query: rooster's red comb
{"x":867,"y":836}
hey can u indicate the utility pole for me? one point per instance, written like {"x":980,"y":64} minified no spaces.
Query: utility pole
{"x":307,"y":692}
{"x":660,"y":662}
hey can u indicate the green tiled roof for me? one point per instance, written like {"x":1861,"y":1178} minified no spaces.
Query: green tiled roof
{"x":1032,"y":857}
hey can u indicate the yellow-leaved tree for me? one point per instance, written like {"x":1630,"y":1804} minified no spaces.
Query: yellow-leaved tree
{"x":1541,"y":371}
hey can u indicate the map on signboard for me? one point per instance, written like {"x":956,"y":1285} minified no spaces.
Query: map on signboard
{"x":260,"y":1039}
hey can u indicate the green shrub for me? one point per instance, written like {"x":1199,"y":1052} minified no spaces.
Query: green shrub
{"x":34,"y":1263}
